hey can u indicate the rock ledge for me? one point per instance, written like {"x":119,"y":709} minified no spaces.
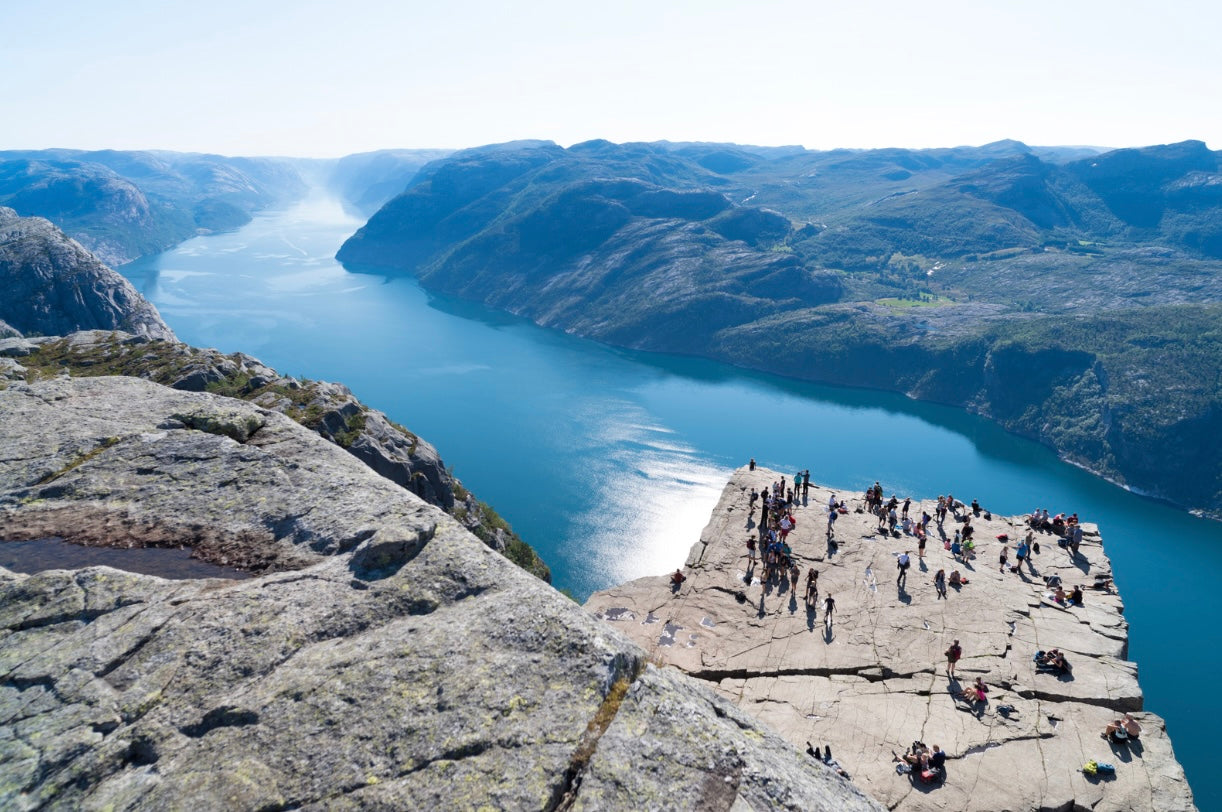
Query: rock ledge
{"x":875,"y":681}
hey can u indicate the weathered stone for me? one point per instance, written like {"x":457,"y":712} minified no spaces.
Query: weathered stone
{"x":405,"y":665}
{"x":328,"y":408}
{"x":54,"y":286}
{"x":875,"y":681}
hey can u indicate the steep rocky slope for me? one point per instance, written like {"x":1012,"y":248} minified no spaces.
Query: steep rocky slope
{"x":873,"y":680}
{"x":401,"y":665}
{"x":328,"y":409}
{"x":53,"y":286}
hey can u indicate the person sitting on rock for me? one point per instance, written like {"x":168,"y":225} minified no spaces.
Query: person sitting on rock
{"x":956,"y":579}
{"x":976,"y":692}
{"x":1123,"y":729}
{"x":1053,"y":660}
{"x":677,"y":579}
{"x":1075,"y":597}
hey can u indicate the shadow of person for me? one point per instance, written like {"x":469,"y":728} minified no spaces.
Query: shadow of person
{"x":793,"y":601}
{"x":762,"y":612}
{"x":810,"y":617}
{"x":828,"y":634}
{"x":921,"y":563}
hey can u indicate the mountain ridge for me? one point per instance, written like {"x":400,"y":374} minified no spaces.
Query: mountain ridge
{"x":929,"y":264}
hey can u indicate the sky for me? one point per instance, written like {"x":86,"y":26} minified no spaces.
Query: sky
{"x":324,"y":79}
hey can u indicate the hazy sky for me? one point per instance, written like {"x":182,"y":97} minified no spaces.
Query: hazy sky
{"x":309,"y":78}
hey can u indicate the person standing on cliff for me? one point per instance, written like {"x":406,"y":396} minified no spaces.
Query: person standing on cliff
{"x":751,"y":465}
{"x":902,"y":562}
{"x":805,"y":484}
{"x":952,"y":656}
{"x":829,"y":606}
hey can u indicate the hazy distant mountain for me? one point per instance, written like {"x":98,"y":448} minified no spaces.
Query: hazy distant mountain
{"x":366,"y":180}
{"x":1031,"y":285}
{"x":122,"y":205}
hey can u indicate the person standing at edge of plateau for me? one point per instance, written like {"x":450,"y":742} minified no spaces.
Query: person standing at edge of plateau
{"x":952,"y":656}
{"x":751,"y":465}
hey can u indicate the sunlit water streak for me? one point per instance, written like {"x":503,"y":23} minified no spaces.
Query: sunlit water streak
{"x":609,"y":462}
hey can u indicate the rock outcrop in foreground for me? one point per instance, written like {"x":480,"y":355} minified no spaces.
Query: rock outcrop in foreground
{"x":402,"y":665}
{"x":875,"y":680}
{"x":329,"y":409}
{"x":53,"y":286}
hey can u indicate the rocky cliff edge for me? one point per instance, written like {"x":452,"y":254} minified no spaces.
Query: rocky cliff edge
{"x":874,"y":680}
{"x":401,"y":665}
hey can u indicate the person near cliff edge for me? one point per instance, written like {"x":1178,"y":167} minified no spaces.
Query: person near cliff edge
{"x":751,"y":465}
{"x":952,"y":656}
{"x":805,"y":483}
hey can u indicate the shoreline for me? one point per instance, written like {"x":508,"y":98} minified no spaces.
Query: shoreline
{"x":876,"y":680}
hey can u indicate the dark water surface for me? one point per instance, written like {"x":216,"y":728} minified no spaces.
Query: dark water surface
{"x":49,"y":554}
{"x":609,"y":462}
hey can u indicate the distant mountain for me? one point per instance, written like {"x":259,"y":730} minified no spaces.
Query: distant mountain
{"x":122,"y":205}
{"x":1025,"y":284}
{"x":53,"y":286}
{"x":367,"y":180}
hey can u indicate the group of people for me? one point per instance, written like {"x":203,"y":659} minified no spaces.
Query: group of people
{"x":1124,"y":729}
{"x":1052,"y":661}
{"x":930,"y":761}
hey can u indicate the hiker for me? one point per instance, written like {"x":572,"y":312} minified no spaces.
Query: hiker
{"x":952,"y":656}
{"x":920,"y":542}
{"x":956,"y":579}
{"x":812,"y":584}
{"x":939,"y":583}
{"x":677,"y":579}
{"x":1075,"y":597}
{"x":794,"y":574}
{"x":805,"y":483}
{"x":902,"y":563}
{"x":751,"y":550}
{"x":751,"y":465}
{"x":1002,"y":556}
{"x":829,"y":606}
{"x":907,"y":504}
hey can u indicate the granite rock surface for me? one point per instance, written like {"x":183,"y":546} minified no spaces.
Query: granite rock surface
{"x":874,"y":679}
{"x":53,"y":286}
{"x":329,"y":409}
{"x":387,"y":659}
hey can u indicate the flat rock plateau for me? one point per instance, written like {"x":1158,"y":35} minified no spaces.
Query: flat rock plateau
{"x":875,"y":680}
{"x":385,"y":658}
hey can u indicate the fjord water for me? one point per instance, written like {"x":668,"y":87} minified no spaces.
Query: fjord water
{"x":609,"y":462}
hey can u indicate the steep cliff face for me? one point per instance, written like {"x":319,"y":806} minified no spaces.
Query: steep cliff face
{"x":872,"y":679}
{"x":53,"y":286}
{"x":402,"y":665}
